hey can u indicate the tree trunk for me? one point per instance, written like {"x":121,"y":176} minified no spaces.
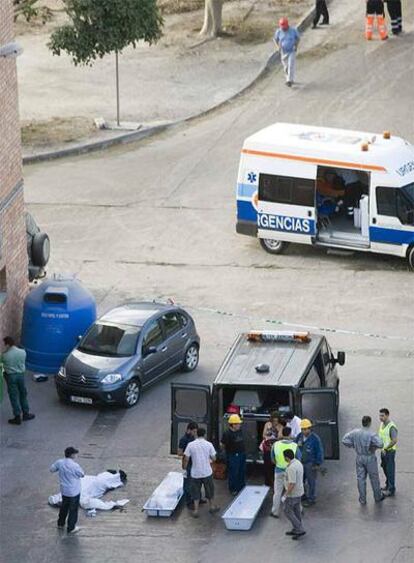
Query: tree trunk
{"x":212,"y":18}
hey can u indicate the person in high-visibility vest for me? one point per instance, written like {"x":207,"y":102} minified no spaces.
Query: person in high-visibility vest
{"x":375,"y":10}
{"x":277,"y":457}
{"x":388,"y":433}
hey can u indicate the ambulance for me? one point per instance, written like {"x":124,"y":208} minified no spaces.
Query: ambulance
{"x":327,"y":187}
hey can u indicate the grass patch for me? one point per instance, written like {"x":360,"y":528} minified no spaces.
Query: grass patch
{"x":249,"y":31}
{"x":56,"y":131}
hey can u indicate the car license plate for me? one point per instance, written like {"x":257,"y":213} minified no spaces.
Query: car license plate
{"x":84,"y":400}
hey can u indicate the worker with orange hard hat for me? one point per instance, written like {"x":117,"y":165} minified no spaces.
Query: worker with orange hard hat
{"x":286,"y":39}
{"x":233,"y":443}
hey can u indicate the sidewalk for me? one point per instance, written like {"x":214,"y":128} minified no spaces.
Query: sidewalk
{"x":178,"y":78}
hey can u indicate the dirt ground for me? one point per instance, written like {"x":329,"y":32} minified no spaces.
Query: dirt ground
{"x":247,"y":24}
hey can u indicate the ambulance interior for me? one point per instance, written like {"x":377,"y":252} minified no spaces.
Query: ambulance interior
{"x":342,"y":205}
{"x":255,"y":405}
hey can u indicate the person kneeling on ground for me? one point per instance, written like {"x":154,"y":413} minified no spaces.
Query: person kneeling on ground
{"x":202,"y":453}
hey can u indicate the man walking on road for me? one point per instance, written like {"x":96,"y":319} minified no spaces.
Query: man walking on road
{"x":14,"y":365}
{"x":70,"y":474}
{"x":287,"y":38}
{"x":311,"y":448}
{"x":321,"y":9}
{"x":389,"y":435}
{"x":365,"y":442}
{"x":202,"y":453}
{"x":278,"y":458}
{"x":293,"y":494}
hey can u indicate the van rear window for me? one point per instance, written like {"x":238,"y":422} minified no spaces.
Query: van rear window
{"x":287,"y":190}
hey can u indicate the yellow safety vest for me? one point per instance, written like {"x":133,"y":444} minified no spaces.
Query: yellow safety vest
{"x":384,"y":434}
{"x":279,"y":448}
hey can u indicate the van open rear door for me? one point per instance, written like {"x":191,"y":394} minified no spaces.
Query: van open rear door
{"x":321,"y":407}
{"x":189,"y":403}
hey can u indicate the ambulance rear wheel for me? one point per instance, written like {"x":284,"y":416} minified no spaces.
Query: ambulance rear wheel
{"x":273,"y":246}
{"x":410,"y":258}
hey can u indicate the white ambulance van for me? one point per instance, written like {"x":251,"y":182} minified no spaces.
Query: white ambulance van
{"x":327,"y":187}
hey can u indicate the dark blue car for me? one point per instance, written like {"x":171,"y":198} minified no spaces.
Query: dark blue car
{"x":128,"y":349}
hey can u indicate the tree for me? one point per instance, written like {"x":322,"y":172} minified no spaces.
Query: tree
{"x":212,"y":18}
{"x":100,"y":27}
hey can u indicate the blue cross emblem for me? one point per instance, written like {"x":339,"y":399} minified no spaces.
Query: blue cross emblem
{"x":251,"y":177}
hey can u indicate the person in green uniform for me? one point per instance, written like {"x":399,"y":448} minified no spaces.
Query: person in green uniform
{"x":13,"y":361}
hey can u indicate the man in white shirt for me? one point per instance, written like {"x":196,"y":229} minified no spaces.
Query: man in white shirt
{"x":293,"y":422}
{"x":70,"y":474}
{"x":202,"y":453}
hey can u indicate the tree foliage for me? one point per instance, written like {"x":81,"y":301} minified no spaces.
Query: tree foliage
{"x":29,"y":9}
{"x":99,"y":27}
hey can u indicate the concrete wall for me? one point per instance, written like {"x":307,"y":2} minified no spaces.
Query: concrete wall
{"x":13,"y":251}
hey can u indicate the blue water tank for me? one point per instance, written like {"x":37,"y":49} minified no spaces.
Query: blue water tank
{"x":55,"y":314}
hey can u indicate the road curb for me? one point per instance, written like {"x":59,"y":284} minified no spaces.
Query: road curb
{"x":146,"y":132}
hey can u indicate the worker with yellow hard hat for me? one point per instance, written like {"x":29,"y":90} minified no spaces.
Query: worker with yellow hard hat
{"x":233,"y":443}
{"x":311,"y":448}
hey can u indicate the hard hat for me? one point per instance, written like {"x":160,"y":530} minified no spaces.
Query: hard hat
{"x":305,"y":423}
{"x":283,"y":23}
{"x":235,"y":419}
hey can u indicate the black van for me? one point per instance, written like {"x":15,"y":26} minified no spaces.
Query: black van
{"x":260,"y":377}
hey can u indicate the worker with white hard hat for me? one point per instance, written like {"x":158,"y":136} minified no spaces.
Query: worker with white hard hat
{"x":233,"y":443}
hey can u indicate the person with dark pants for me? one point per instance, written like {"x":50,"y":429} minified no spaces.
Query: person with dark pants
{"x":388,"y":433}
{"x":293,"y":484}
{"x":395,"y":13}
{"x":70,"y":474}
{"x":233,"y":443}
{"x":321,"y":9}
{"x":14,"y":367}
{"x":189,"y":436}
{"x":311,"y":448}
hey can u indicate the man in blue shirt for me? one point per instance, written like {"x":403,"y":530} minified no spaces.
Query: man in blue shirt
{"x":70,"y":474}
{"x":287,"y":38}
{"x":311,"y":449}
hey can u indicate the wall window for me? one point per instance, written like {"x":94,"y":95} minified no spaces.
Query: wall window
{"x":287,"y":190}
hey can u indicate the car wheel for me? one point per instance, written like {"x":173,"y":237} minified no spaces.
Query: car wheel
{"x":191,"y":357}
{"x":273,"y":246}
{"x":132,"y":393}
{"x":40,"y":251}
{"x":410,"y":258}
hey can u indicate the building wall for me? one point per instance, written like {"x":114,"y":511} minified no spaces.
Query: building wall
{"x":13,"y":250}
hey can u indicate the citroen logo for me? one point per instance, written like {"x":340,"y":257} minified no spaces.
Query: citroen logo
{"x":83,"y":379}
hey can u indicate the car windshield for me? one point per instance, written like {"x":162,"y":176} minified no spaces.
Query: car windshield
{"x":409,"y":191}
{"x":116,"y":340}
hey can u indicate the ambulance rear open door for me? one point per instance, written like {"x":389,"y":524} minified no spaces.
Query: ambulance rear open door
{"x":321,"y":407}
{"x":189,"y":403}
{"x":286,"y":204}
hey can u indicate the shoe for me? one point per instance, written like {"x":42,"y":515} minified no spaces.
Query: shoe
{"x":15,"y":420}
{"x":388,"y":494}
{"x":28,"y":416}
{"x":325,"y":23}
{"x":203,"y":501}
{"x":382,"y":498}
{"x":195,"y":514}
{"x":289,"y":83}
{"x":214,"y":510}
{"x":75,"y":530}
{"x":362,"y":502}
{"x":314,"y":26}
{"x":307,"y":503}
{"x":299,"y":535}
{"x":290,"y":533}
{"x":273,"y":515}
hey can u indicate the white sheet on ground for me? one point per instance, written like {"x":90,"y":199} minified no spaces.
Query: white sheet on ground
{"x":93,"y":487}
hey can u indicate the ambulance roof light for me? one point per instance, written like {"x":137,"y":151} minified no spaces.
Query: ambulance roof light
{"x":364,"y":147}
{"x":386,"y":135}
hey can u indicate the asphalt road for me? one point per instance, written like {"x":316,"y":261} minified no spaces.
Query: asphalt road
{"x":156,"y":220}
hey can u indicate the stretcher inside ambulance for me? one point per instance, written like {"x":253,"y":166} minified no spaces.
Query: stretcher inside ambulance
{"x":327,"y":187}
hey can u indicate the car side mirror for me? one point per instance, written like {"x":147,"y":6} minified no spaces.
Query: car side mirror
{"x":149,"y":350}
{"x":340,"y":358}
